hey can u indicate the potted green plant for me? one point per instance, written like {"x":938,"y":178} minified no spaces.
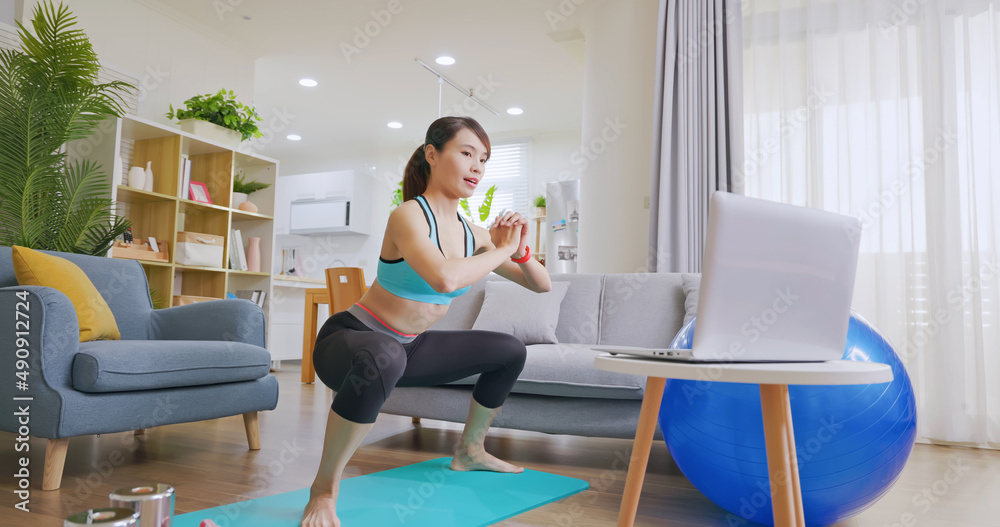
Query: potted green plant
{"x":242,"y":190}
{"x":539,"y":203}
{"x":50,"y":102}
{"x":233,"y":121}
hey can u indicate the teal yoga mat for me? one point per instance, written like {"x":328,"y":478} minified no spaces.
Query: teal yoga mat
{"x":427,"y":494}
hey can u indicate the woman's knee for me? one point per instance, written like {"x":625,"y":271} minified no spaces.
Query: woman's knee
{"x":512,"y":349}
{"x":345,"y":356}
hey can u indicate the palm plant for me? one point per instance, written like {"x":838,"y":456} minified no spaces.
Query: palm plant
{"x":49,"y":97}
{"x":484,"y":207}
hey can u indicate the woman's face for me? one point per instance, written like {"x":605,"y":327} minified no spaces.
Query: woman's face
{"x":458,"y":168}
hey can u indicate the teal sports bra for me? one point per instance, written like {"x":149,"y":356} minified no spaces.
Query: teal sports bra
{"x":398,"y":278}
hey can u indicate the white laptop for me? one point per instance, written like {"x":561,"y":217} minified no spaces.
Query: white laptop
{"x":776,"y":285}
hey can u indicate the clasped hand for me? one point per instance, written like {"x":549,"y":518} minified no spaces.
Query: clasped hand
{"x":510,"y":229}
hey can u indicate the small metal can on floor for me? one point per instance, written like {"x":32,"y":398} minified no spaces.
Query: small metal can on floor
{"x":154,"y":503}
{"x":109,"y":517}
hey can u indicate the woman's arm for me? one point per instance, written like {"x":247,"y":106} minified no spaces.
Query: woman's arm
{"x":407,"y":231}
{"x":531,"y":274}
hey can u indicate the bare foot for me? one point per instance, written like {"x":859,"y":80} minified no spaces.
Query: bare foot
{"x":321,"y":511}
{"x":479,"y":459}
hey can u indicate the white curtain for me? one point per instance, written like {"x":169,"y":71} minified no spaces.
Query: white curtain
{"x":890,"y":111}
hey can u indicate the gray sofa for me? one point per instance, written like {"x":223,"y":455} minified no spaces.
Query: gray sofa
{"x":560,"y":391}
{"x":176,"y":365}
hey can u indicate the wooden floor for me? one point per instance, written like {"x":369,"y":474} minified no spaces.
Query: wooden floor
{"x":209,"y":465}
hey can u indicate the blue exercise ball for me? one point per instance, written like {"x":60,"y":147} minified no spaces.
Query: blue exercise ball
{"x":851,"y":441}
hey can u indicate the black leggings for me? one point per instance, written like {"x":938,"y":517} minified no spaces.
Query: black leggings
{"x":363,"y":366}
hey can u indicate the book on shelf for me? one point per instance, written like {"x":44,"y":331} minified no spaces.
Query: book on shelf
{"x":240,"y":253}
{"x":261,"y":298}
{"x":245,"y":294}
{"x":257,"y":296}
{"x":183,"y":177}
{"x":232,"y":255}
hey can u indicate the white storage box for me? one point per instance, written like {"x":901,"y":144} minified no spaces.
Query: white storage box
{"x":195,"y":248}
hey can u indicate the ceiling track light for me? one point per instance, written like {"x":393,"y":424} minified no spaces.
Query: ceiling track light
{"x":467,"y":93}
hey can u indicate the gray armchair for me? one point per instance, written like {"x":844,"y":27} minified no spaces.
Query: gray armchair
{"x":176,"y":365}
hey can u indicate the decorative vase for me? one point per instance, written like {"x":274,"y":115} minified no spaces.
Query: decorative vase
{"x":253,"y":254}
{"x":248,"y":207}
{"x":136,"y":177}
{"x":238,"y":197}
{"x":148,"y":184}
{"x":212,"y":132}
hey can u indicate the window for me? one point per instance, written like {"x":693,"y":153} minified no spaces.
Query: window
{"x":508,"y":170}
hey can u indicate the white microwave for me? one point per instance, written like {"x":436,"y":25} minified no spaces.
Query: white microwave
{"x":319,"y":216}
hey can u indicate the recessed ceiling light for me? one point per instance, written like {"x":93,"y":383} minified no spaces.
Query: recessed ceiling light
{"x":445,"y":60}
{"x":293,"y":137}
{"x":515,"y":111}
{"x":395,"y":124}
{"x":308,"y":82}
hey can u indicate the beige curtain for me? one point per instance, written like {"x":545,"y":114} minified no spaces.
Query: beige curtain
{"x":698,"y":126}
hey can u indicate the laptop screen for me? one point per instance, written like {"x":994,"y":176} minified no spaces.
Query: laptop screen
{"x":777,"y":281}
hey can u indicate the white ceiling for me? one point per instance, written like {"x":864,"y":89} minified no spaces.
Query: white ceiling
{"x":529,"y":51}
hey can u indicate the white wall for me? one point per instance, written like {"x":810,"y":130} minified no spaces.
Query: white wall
{"x":8,"y":12}
{"x":552,"y":160}
{"x":172,"y":57}
{"x":616,"y":159}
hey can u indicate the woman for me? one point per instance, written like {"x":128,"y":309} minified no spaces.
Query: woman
{"x":429,"y":256}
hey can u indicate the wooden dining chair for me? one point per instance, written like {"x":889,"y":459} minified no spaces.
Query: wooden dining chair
{"x":345,"y":285}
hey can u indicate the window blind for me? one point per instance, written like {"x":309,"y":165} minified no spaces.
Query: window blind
{"x":507,"y":168}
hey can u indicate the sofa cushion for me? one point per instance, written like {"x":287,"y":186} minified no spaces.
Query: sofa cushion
{"x":578,"y":316}
{"x":93,"y":315}
{"x":529,"y":316}
{"x":567,"y":370}
{"x":641,"y":309}
{"x":127,"y":365}
{"x":691,"y":284}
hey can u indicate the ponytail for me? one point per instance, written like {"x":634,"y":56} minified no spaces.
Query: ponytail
{"x":417,"y":173}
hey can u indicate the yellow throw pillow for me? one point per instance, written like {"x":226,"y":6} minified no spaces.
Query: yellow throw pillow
{"x":95,"y":317}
